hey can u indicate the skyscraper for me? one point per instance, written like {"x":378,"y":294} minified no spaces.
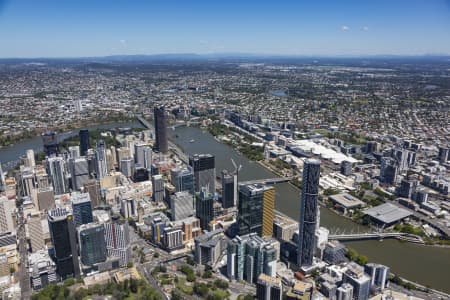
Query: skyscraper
{"x":6,"y":214}
{"x":204,"y":172}
{"x":158,"y":188}
{"x":256,"y":209}
{"x":268,"y":288}
{"x":100,"y":156}
{"x":160,"y":118}
{"x":183,"y":179}
{"x":204,"y":207}
{"x":63,"y":236}
{"x":92,"y":243}
{"x":50,"y":143}
{"x":30,"y":158}
{"x":249,"y":256}
{"x":84,"y":141}
{"x":82,"y":209}
{"x":2,"y":179}
{"x":360,"y":281}
{"x":35,"y":231}
{"x":79,"y":170}
{"x":182,"y":206}
{"x":308,"y":212}
{"x":117,"y":238}
{"x":229,"y":189}
{"x":55,"y":166}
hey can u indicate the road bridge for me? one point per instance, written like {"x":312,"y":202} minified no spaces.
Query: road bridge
{"x":376,"y":236}
{"x":269,"y":180}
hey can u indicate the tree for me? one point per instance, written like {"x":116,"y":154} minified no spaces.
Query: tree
{"x":362,"y":260}
{"x":130,"y":264}
{"x":351,"y":254}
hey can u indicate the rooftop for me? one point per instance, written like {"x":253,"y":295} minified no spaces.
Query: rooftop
{"x":387,"y":213}
{"x":346,"y":200}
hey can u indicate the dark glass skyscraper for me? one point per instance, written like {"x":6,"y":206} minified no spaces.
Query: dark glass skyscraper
{"x":63,"y":235}
{"x":204,"y":207}
{"x":204,"y":172}
{"x":256,"y":209}
{"x":82,"y":209}
{"x":92,"y":244}
{"x":160,"y":119}
{"x":308,"y":212}
{"x":50,"y":142}
{"x":229,"y":189}
{"x":84,"y":141}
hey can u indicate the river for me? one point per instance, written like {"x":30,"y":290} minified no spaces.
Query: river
{"x":423,"y":264}
{"x":13,"y":153}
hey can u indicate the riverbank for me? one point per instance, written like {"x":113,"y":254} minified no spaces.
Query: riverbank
{"x":10,"y":141}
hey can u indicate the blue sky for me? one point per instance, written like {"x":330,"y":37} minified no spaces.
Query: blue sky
{"x":61,"y":28}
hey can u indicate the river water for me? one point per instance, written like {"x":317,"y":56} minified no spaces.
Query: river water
{"x":12,"y":153}
{"x":423,"y":264}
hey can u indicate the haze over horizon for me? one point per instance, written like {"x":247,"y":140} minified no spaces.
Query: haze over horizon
{"x":327,"y":28}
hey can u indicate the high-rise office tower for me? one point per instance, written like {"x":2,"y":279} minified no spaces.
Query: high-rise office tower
{"x":359,"y":280}
{"x":160,"y":119}
{"x":182,"y":206}
{"x":79,"y":170}
{"x":74,"y":151}
{"x":204,"y":172}
{"x":6,"y":214}
{"x":92,"y":243}
{"x":158,"y":188}
{"x":127,"y":166}
{"x":268,"y":288}
{"x":183,"y":179}
{"x":121,"y":153}
{"x":27,"y":182}
{"x":308,"y":212}
{"x":256,"y":209}
{"x":249,"y":256}
{"x":204,"y":208}
{"x":139,"y":154}
{"x":50,"y":143}
{"x":63,"y":236}
{"x":346,"y":168}
{"x":148,"y":158}
{"x":35,"y":231}
{"x":56,"y":169}
{"x":30,"y":158}
{"x":84,"y":141}
{"x":229,"y":189}
{"x":444,"y":154}
{"x":344,"y":292}
{"x":2,"y":179}
{"x":114,"y":157}
{"x":81,"y":208}
{"x":92,"y":187}
{"x":379,"y":275}
{"x":117,"y":238}
{"x":100,"y":156}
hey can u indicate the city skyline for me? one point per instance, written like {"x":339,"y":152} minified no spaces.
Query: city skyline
{"x":351,"y":28}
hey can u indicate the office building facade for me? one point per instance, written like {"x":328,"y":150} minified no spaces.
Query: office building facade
{"x":63,"y":236}
{"x":100,"y":157}
{"x":161,"y":138}
{"x":268,"y":288}
{"x":81,"y":208}
{"x":84,"y":141}
{"x":182,"y":205}
{"x":204,"y":208}
{"x":56,"y":169}
{"x":308,"y":212}
{"x":158,"y":188}
{"x":250,"y":255}
{"x":183,"y":179}
{"x":117,"y":237}
{"x":256,"y":209}
{"x":204,"y":169}
{"x":229,"y":189}
{"x":92,"y":244}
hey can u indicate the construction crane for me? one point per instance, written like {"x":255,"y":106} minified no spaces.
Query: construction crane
{"x":236,"y":168}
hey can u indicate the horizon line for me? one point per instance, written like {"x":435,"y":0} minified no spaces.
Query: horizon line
{"x":234,"y":55}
